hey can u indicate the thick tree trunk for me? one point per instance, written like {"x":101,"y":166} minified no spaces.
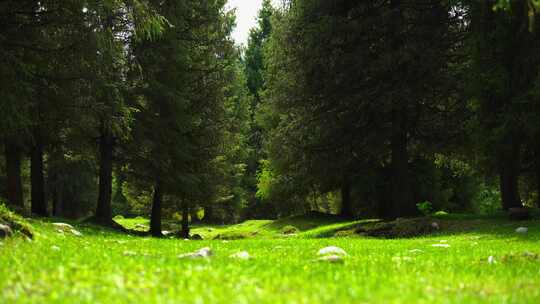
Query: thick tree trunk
{"x":184,"y":233}
{"x":402,"y":201}
{"x":509,"y":163}
{"x":155,"y":218}
{"x":104,"y":210}
{"x":346,"y":202}
{"x":13,"y":174}
{"x":39,"y":203}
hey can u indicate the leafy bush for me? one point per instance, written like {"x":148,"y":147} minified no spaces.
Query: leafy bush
{"x":425,"y":207}
{"x":487,"y":200}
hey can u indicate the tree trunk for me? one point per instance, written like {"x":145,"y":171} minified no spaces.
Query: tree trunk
{"x":55,"y":185}
{"x":209,"y":214}
{"x":155,"y":218}
{"x":13,"y":174}
{"x":537,"y":175}
{"x":39,"y":203}
{"x":346,"y":202}
{"x":104,"y":210}
{"x":402,"y":202}
{"x":509,"y":163}
{"x":184,"y":233}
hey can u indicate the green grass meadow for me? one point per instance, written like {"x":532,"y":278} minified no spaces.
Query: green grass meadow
{"x":104,"y":266}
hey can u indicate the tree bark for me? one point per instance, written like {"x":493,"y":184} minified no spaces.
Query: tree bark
{"x":346,"y":202}
{"x":537,"y":176}
{"x":104,"y":209}
{"x":155,"y":218}
{"x":209,"y":214}
{"x":184,"y":233}
{"x":55,"y":185}
{"x":13,"y":174}
{"x":39,"y":203}
{"x":402,"y":202}
{"x":509,"y":166}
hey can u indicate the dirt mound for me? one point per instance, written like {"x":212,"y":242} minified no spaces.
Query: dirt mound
{"x":400,"y":228}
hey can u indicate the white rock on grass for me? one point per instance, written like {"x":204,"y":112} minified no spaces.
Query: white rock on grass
{"x":332,"y":258}
{"x":441,"y":245}
{"x":491,"y":260}
{"x":242,"y":255}
{"x":522,"y":230}
{"x":332,"y":250}
{"x":75,"y":232}
{"x":5,"y":231}
{"x":63,"y":226}
{"x":202,"y":253}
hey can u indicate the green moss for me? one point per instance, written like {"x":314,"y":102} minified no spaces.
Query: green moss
{"x":17,"y":223}
{"x":400,"y":228}
{"x":289,"y":229}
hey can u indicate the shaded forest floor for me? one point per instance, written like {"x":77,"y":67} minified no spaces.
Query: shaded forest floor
{"x":471,"y":260}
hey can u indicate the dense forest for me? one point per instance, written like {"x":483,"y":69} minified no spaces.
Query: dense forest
{"x":384,"y":108}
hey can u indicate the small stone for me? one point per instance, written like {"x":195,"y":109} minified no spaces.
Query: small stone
{"x":332,"y":250}
{"x":522,"y":230}
{"x":62,"y":226}
{"x":55,"y":248}
{"x":75,"y":232}
{"x":204,"y":253}
{"x":242,"y":255}
{"x":5,"y":231}
{"x":441,"y":245}
{"x":491,"y":260}
{"x":333,"y":258}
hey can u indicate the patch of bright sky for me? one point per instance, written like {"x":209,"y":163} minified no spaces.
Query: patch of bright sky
{"x":246,"y":17}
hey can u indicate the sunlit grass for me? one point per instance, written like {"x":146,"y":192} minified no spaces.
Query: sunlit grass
{"x":107,"y":267}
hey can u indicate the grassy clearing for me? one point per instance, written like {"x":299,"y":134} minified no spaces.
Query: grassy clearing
{"x":106,"y":267}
